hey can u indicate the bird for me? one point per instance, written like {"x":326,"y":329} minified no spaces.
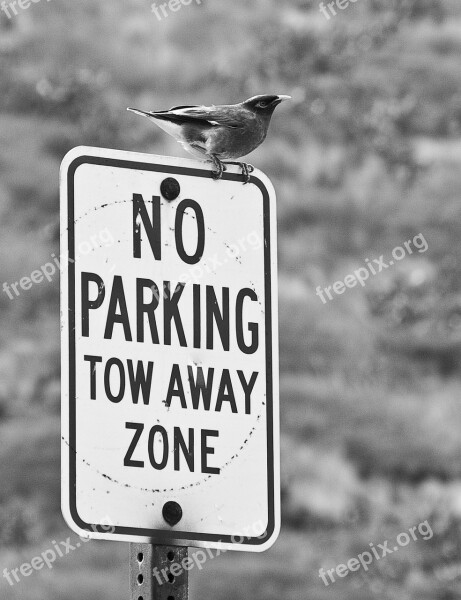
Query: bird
{"x":219,"y":133}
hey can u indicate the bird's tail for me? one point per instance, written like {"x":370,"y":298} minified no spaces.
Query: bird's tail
{"x":137,"y":111}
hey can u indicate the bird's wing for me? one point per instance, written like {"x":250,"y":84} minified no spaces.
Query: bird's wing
{"x":180,"y":107}
{"x":212,"y":115}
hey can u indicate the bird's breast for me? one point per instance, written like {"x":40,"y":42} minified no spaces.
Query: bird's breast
{"x":230,"y":144}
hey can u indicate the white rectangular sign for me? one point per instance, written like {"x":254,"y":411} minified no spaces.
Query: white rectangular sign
{"x":170,"y":427}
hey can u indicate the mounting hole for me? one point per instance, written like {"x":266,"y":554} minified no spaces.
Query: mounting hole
{"x":170,"y":555}
{"x":170,"y":578}
{"x":140,"y":598}
{"x":140,"y":578}
{"x":140,"y":557}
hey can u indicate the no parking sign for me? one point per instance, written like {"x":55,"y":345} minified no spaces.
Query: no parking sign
{"x":170,"y":352}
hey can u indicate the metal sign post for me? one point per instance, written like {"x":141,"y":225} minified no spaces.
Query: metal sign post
{"x":151,"y":576}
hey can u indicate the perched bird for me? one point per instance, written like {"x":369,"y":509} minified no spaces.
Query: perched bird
{"x":219,"y":133}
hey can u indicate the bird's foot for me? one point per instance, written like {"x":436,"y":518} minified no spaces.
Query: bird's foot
{"x":220,"y":167}
{"x":246,"y":170}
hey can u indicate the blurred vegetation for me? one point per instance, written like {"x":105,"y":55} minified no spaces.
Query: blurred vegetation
{"x":366,"y":157}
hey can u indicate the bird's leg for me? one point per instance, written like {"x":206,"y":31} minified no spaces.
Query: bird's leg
{"x":245,"y":173}
{"x":219,"y":166}
{"x":246,"y":169}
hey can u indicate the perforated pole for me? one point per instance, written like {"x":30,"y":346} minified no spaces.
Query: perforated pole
{"x":158,"y":573}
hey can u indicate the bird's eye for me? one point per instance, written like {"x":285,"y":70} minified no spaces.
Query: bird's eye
{"x":262,"y":104}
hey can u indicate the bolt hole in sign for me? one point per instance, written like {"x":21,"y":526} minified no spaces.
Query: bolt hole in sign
{"x":170,"y":426}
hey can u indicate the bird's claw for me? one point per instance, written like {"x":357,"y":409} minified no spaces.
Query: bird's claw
{"x":221,"y":167}
{"x":246,"y":170}
{"x":218,"y":174}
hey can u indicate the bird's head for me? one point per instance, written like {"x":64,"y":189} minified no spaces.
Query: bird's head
{"x":264,"y":104}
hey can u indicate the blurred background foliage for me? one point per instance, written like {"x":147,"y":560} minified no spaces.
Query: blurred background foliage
{"x":367,"y":156}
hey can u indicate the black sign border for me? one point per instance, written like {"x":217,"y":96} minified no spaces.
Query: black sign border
{"x":156,"y":535}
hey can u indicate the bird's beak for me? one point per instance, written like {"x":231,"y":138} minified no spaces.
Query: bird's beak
{"x":282,"y":98}
{"x":136,"y":111}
